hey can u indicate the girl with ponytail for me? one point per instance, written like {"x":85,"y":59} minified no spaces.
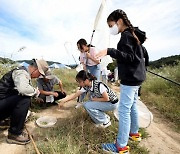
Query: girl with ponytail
{"x":101,"y":98}
{"x":131,"y":72}
{"x":87,"y":58}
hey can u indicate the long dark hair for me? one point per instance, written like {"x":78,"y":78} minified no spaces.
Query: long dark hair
{"x":83,"y":75}
{"x":82,"y":42}
{"x":120,"y":14}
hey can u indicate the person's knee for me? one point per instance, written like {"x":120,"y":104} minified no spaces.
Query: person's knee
{"x":124,"y":109}
{"x":26,"y":101}
{"x":87,"y":105}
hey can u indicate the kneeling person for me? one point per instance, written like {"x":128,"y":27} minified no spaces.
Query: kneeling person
{"x":46,"y":87}
{"x":16,"y":91}
{"x":102,"y":98}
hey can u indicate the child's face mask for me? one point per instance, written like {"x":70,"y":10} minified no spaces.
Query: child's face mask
{"x":114,"y":30}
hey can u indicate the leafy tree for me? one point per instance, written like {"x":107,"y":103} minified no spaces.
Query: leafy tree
{"x":112,"y":66}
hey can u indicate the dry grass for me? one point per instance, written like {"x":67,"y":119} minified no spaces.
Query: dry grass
{"x":164,"y":95}
{"x":78,"y":135}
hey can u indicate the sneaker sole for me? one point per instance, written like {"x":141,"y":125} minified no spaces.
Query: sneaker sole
{"x":4,"y":127}
{"x":102,"y":125}
{"x":110,"y":152}
{"x":127,"y":152}
{"x":10,"y":141}
{"x":109,"y":149}
{"x":107,"y":125}
{"x":136,"y":140}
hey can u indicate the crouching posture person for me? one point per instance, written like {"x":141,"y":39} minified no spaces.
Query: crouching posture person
{"x":16,"y":91}
{"x":46,"y":87}
{"x":101,"y":99}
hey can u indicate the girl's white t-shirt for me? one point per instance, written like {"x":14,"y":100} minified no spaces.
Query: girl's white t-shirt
{"x":102,"y":88}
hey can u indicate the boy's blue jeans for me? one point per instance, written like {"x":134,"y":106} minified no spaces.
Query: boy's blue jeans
{"x":128,"y":114}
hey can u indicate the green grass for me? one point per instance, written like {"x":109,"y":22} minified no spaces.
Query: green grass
{"x":164,"y":95}
{"x":68,"y":79}
{"x":4,"y":68}
{"x":78,"y":135}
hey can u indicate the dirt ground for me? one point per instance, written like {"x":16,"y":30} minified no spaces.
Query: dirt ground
{"x":162,"y":139}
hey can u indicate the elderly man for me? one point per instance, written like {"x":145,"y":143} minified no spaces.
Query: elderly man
{"x":46,"y":87}
{"x":16,"y":91}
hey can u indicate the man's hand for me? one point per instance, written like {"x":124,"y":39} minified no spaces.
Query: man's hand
{"x":63,"y":91}
{"x":37,"y":93}
{"x":55,"y":94}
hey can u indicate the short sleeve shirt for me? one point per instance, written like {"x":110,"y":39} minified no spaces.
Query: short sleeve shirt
{"x":102,"y":88}
{"x":47,"y":86}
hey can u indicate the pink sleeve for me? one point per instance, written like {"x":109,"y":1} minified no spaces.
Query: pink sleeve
{"x":94,"y":52}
